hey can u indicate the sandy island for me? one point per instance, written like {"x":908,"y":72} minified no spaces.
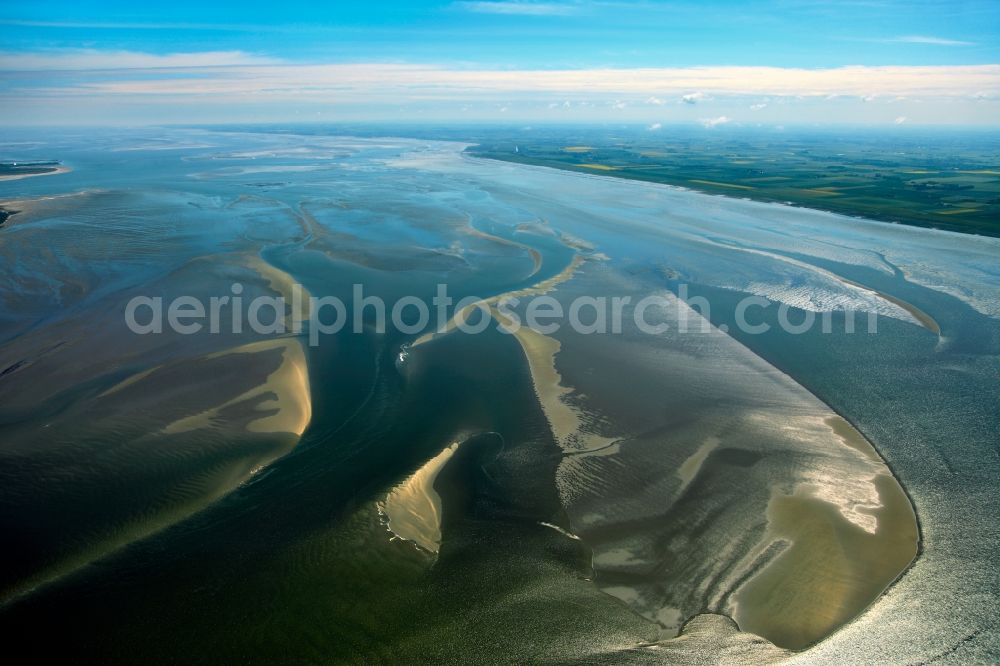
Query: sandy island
{"x":54,"y":172}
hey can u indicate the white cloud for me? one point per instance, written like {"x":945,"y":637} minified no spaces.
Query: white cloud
{"x":868,"y":98}
{"x":102,"y":86}
{"x":694,"y":98}
{"x":924,"y":39}
{"x":656,"y":101}
{"x":519,"y":8}
{"x":88,"y":59}
{"x":900,"y":120}
{"x":654,"y":127}
{"x":758,"y":106}
{"x":715,"y":122}
{"x":223,"y":74}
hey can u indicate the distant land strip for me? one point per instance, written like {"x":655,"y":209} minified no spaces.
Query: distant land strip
{"x":960,"y":200}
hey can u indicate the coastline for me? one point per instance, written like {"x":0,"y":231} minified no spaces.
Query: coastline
{"x":734,"y":192}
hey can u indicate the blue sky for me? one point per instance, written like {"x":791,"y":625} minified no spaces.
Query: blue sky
{"x":632,"y":61}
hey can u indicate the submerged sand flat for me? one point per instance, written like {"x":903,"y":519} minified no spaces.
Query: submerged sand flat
{"x":282,"y":399}
{"x":847,"y":565}
{"x":738,"y":477}
{"x":245,"y":433}
{"x":913,"y":311}
{"x":171,"y":423}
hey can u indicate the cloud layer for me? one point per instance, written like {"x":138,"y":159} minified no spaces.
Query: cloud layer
{"x":235,"y":77}
{"x":86,"y":59}
{"x":235,"y":72}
